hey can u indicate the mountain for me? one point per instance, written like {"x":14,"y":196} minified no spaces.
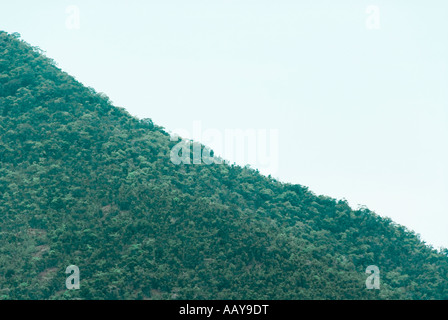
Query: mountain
{"x":84,"y":183}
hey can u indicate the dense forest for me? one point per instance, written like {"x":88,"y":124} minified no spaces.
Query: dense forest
{"x":84,"y":183}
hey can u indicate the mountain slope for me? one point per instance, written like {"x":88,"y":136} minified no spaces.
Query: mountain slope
{"x":83,"y":182}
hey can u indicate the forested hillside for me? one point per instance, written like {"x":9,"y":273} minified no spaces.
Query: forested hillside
{"x":83,"y":182}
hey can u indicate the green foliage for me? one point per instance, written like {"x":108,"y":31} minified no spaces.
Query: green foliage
{"x":82,"y":182}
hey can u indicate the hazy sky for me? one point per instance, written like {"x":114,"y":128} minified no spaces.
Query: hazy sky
{"x":357,"y":96}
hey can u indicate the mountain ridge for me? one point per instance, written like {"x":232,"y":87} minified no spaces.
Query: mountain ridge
{"x":83,"y":182}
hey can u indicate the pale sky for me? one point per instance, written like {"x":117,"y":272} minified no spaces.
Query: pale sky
{"x":359,"y":99}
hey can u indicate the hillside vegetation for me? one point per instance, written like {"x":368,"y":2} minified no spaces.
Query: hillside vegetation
{"x":83,"y":182}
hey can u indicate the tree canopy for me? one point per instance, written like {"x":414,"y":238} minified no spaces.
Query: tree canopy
{"x":82,"y":182}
